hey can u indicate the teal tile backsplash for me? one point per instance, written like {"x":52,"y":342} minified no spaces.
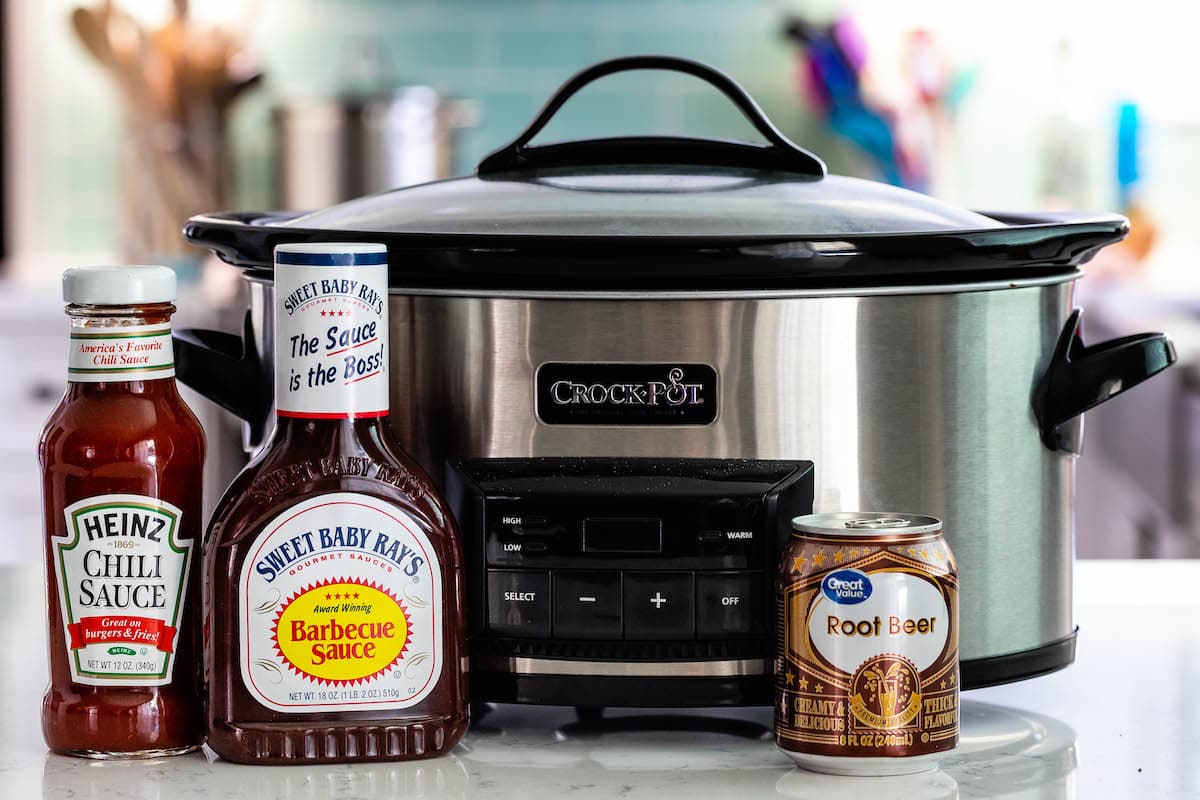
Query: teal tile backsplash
{"x":508,"y":55}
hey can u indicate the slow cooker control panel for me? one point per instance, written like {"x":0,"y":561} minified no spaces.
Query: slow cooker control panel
{"x":572,"y":553}
{"x":576,"y":604}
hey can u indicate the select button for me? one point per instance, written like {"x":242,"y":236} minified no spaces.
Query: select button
{"x":519,"y":603}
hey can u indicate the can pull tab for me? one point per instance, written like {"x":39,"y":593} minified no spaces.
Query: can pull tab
{"x":878,"y":522}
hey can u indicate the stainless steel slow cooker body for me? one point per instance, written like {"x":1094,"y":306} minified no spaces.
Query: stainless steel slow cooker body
{"x":910,"y":398}
{"x":925,"y":358}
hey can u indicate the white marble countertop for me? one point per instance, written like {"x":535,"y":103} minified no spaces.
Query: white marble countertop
{"x":1123,"y":721}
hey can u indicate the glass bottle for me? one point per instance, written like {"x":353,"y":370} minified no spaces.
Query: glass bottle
{"x":333,"y":571}
{"x":122,"y":461}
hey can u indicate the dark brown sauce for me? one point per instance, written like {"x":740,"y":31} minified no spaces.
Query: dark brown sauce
{"x":124,"y":437}
{"x":308,"y":458}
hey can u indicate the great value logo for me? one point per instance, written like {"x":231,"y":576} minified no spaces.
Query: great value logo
{"x":846,"y":587}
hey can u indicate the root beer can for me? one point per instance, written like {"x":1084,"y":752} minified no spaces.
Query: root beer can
{"x":866,"y":670}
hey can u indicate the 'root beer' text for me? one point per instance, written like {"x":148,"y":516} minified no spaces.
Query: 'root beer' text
{"x":872,"y":627}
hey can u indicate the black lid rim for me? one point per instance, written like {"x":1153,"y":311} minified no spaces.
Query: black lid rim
{"x":1027,"y":223}
{"x":1028,"y":246}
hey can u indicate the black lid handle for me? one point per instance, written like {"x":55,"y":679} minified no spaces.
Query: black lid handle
{"x":1081,"y":377}
{"x":778,"y":153}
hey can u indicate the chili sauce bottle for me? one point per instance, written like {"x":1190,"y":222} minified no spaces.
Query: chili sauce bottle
{"x":333,"y":572}
{"x":122,"y":458}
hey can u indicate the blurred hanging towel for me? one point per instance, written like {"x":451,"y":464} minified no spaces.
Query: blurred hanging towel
{"x":831,"y":67}
{"x":1142,"y":230}
{"x":900,"y":132}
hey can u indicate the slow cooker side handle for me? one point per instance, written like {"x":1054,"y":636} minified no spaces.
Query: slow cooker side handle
{"x":1081,"y":377}
{"x":227,"y":369}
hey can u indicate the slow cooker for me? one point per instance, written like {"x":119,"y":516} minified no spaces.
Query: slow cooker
{"x":629,"y":361}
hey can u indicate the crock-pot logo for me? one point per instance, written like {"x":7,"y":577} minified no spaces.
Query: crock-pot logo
{"x":626,"y":394}
{"x":674,"y":392}
{"x":846,"y":587}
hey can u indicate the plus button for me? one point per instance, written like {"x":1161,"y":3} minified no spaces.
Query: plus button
{"x":657,"y":606}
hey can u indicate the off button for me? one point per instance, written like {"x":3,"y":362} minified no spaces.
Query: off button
{"x":729,"y":604}
{"x":519,"y":603}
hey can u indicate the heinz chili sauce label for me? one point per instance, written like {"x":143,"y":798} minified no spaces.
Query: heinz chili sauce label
{"x":125,"y":353}
{"x":122,"y":579}
{"x":339,"y":608}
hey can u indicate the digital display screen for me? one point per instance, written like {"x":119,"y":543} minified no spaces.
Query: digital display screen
{"x":622,"y":535}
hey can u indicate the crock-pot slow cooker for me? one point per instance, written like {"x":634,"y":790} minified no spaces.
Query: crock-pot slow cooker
{"x":630,"y":360}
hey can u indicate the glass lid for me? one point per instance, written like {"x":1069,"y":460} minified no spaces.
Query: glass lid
{"x":669,"y":213}
{"x":649,"y":186}
{"x":639,"y":200}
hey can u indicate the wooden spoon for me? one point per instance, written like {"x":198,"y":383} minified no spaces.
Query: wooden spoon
{"x":88,"y":28}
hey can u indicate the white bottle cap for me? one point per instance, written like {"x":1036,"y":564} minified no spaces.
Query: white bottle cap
{"x":118,"y":285}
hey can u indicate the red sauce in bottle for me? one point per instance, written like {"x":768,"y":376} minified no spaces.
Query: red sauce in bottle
{"x":333,"y":572}
{"x":122,"y":458}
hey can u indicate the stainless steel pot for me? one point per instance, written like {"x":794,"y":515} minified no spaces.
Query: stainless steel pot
{"x":338,"y":149}
{"x":925,"y":358}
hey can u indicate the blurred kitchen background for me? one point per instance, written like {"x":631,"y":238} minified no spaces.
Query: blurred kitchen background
{"x":121,"y":119}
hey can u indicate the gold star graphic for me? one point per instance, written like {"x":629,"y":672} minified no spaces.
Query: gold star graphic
{"x":952,"y":678}
{"x":912,"y":552}
{"x":818,"y":688}
{"x":803,"y":682}
{"x":924,"y":555}
{"x":819,"y":559}
{"x":838,"y":556}
{"x":941,"y":685}
{"x":798,"y":563}
{"x":854,"y":554}
{"x":791,"y":678}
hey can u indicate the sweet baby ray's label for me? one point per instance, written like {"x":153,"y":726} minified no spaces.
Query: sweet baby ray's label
{"x":331,"y":337}
{"x":341,"y":601}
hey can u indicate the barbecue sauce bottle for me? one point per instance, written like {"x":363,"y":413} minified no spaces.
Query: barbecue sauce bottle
{"x":333,"y":593}
{"x":122,"y":460}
